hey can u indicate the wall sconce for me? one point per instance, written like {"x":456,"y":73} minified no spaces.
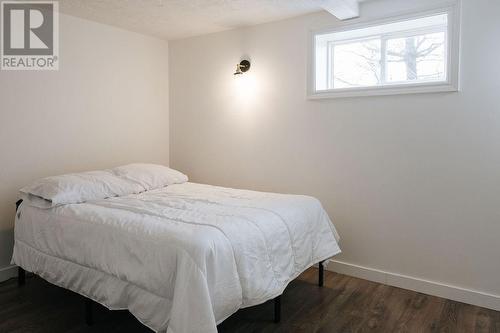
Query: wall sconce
{"x":242,"y":67}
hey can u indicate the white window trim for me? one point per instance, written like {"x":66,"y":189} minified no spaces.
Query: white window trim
{"x":453,"y":62}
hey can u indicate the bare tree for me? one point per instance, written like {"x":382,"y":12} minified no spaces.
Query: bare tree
{"x":370,"y":61}
{"x":415,"y":50}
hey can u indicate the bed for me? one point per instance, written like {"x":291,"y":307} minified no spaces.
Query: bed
{"x":180,"y":256}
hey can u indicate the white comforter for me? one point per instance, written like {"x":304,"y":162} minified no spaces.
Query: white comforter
{"x":182,"y":258}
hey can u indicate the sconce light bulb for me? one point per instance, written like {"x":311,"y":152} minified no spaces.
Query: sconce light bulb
{"x":238,"y":70}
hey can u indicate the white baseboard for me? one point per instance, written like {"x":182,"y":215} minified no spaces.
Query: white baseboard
{"x":8,"y":272}
{"x":455,"y":293}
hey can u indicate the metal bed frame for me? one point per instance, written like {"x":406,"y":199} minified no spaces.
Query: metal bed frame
{"x":21,"y":281}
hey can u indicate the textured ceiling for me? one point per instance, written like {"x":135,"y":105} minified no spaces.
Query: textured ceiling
{"x":172,"y":19}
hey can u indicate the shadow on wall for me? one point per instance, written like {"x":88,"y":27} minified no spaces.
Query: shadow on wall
{"x":7,"y":243}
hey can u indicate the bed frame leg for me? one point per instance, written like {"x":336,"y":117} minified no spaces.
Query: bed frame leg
{"x":21,"y":277}
{"x":277,"y":309}
{"x":21,"y":273}
{"x":89,"y":318}
{"x":321,"y":274}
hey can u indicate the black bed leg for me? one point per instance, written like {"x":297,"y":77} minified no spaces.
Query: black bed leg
{"x":21,"y":273}
{"x":277,"y":309}
{"x":21,"y":277}
{"x":89,"y":319}
{"x":321,"y":274}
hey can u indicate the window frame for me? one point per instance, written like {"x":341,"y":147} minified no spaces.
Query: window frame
{"x":452,"y":53}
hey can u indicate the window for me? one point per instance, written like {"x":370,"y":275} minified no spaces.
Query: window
{"x":414,"y":54}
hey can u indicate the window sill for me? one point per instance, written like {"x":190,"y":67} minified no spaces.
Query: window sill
{"x":384,"y":91}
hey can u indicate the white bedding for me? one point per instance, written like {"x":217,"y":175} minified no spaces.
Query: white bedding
{"x":182,"y":258}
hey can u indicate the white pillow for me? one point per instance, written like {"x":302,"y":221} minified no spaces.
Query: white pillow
{"x":150,"y":176}
{"x":76,"y":188}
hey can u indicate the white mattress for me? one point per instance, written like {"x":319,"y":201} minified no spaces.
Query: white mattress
{"x":182,"y":258}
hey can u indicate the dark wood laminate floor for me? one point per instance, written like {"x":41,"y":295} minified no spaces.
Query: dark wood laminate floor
{"x":345,"y":304}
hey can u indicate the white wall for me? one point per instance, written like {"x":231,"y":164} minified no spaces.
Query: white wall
{"x":106,"y":106}
{"x":411,"y":181}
